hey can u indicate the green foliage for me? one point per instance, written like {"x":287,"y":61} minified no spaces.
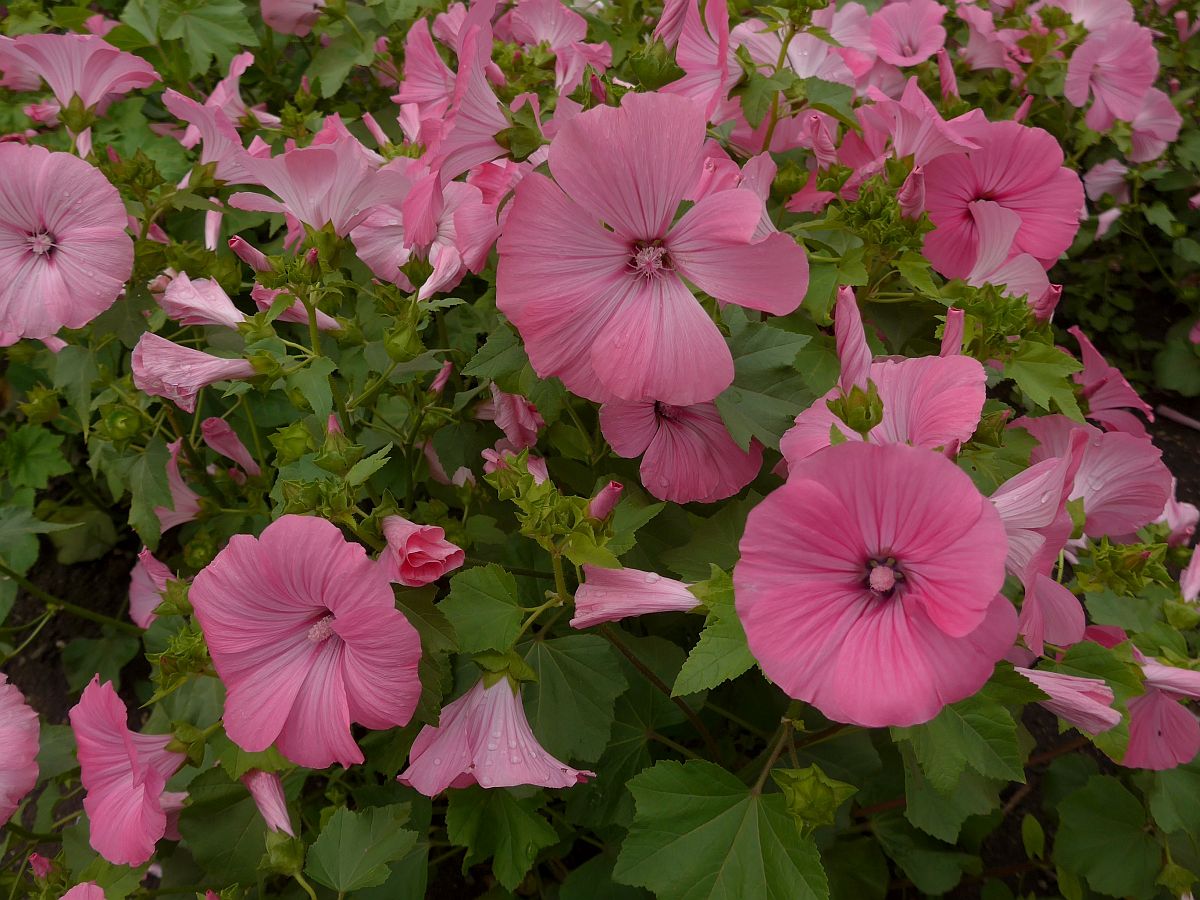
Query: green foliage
{"x":721,"y":653}
{"x":354,"y":849}
{"x":497,"y":825}
{"x":1102,"y":837}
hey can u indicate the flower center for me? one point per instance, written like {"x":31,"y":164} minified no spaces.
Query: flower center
{"x":883,"y":576}
{"x":321,"y":630}
{"x":40,"y":243}
{"x":665,"y":410}
{"x":649,"y":259}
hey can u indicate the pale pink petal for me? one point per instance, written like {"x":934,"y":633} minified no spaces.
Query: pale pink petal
{"x":417,"y":555}
{"x":609,"y":595}
{"x":1050,"y":613}
{"x":1163,"y":733}
{"x":19,"y":730}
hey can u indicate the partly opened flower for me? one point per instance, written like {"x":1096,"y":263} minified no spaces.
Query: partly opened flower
{"x":687,"y":452}
{"x":1084,"y":702}
{"x":291,"y":16}
{"x":484,"y":738}
{"x":124,"y":774}
{"x":608,"y":595}
{"x":63,"y":246}
{"x":220,"y":436}
{"x":162,"y":368}
{"x":185,"y":503}
{"x":147,"y":581}
{"x":304,"y":632}
{"x":605,"y":308}
{"x":199,"y":302}
{"x":514,"y":415}
{"x":417,"y":554}
{"x":267,"y":791}
{"x":19,"y":732}
{"x":869,"y":584}
{"x":1109,"y":396}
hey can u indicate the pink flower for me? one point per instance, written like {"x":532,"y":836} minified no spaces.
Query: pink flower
{"x":869,"y":584}
{"x":1117,"y":66}
{"x":417,"y":555}
{"x":1121,"y":479}
{"x":199,"y":302}
{"x":62,"y":241}
{"x":946,"y":76}
{"x":853,"y":353}
{"x":606,"y":310}
{"x":1156,"y":125}
{"x":484,"y":738}
{"x":710,"y":69}
{"x":227,"y":97}
{"x":911,"y":195}
{"x":428,"y":81}
{"x":40,"y":865}
{"x":562,"y":30}
{"x":250,"y":255}
{"x":1108,"y":394}
{"x":220,"y":436}
{"x":807,"y":55}
{"x":264,"y":298}
{"x":438,"y":385}
{"x":687,"y":452}
{"x":165,"y":369}
{"x":495,"y":459}
{"x":1181,"y":518}
{"x":1051,"y":613}
{"x":998,"y":263}
{"x":88,"y":890}
{"x":1189,"y":578}
{"x":19,"y":73}
{"x":475,"y":116}
{"x":304,"y":632}
{"x":291,"y":16}
{"x":124,"y":774}
{"x":608,"y":595}
{"x":605,"y":501}
{"x":1107,"y":177}
{"x":1163,"y":733}
{"x":147,"y":581}
{"x":185,"y":503}
{"x":1084,"y":702}
{"x":267,"y":791}
{"x":221,"y":143}
{"x":1018,"y":168}
{"x":514,"y":415}
{"x":1093,"y":15}
{"x":19,"y":730}
{"x":84,"y":66}
{"x":908,"y":32}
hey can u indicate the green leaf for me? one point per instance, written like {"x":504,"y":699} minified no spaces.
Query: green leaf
{"x":1102,"y":837}
{"x":56,"y":751}
{"x":714,"y":541}
{"x":149,"y":489}
{"x":857,"y":870}
{"x":335,"y":61}
{"x":313,"y":383}
{"x":354,"y":848}
{"x":822,"y":288}
{"x":722,"y":652}
{"x":757,"y":94}
{"x":976,"y":732}
{"x":237,"y":762}
{"x":1134,"y":614}
{"x":570,"y":706}
{"x":628,"y":517}
{"x":31,"y":456}
{"x":942,"y":813}
{"x":1033,"y":837}
{"x":437,"y":634}
{"x":222,"y":827}
{"x":105,"y":656}
{"x":1042,"y":372}
{"x":365,"y":468}
{"x":483,"y":609}
{"x":18,"y":536}
{"x":767,"y":392}
{"x":1175,"y":799}
{"x":495,"y":824}
{"x":75,"y":371}
{"x":501,"y":355}
{"x":91,"y":536}
{"x":700,"y":833}
{"x":934,"y":867}
{"x":208,"y":28}
{"x":85,"y":864}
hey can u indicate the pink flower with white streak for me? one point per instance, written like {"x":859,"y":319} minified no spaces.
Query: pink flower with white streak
{"x":1086,"y":703}
{"x":19,"y":730}
{"x":199,"y":302}
{"x":908,"y":32}
{"x":1116,"y":67}
{"x":609,"y":595}
{"x":267,"y":791}
{"x":162,"y":368}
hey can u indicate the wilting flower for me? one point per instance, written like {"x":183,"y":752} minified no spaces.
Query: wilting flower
{"x":291,"y":16}
{"x":84,"y":66}
{"x":869,"y":584}
{"x":606,"y":310}
{"x":162,"y":368}
{"x":199,"y":302}
{"x":484,"y":738}
{"x":220,"y":436}
{"x":124,"y":774}
{"x":1109,"y":396}
{"x":304,"y":632}
{"x":908,"y":32}
{"x":514,"y":415}
{"x":1116,"y":66}
{"x":417,"y":554}
{"x":1084,"y":702}
{"x":63,"y":245}
{"x":688,"y":455}
{"x":185,"y":503}
{"x":1018,"y":168}
{"x":147,"y":581}
{"x":608,"y":595}
{"x":19,"y":730}
{"x":267,"y":791}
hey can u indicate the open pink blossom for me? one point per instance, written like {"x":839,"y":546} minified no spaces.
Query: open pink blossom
{"x":609,"y":595}
{"x":514,"y":415}
{"x":807,"y":55}
{"x":291,"y":16}
{"x":499,"y":458}
{"x":162,"y":368}
{"x":868,"y":584}
{"x":19,"y":730}
{"x":1116,"y":66}
{"x":87,"y":890}
{"x":147,"y":581}
{"x":1109,"y":396}
{"x":989,"y":47}
{"x":688,"y":454}
{"x":563,"y":30}
{"x":227,"y":97}
{"x":428,"y":81}
{"x":909,"y":31}
{"x":17,"y":72}
{"x":484,"y":738}
{"x":416,"y":554}
{"x":1086,"y":703}
{"x":1154,"y":128}
{"x":185,"y":503}
{"x":1094,"y":15}
{"x":84,"y":66}
{"x":304,"y":632}
{"x":124,"y":774}
{"x":220,"y":436}
{"x":1018,"y":168}
{"x":704,"y":53}
{"x":605,"y":309}
{"x":475,"y":116}
{"x":267,"y":791}
{"x":221,"y":143}
{"x":998,"y":263}
{"x":63,"y":244}
{"x":199,"y":302}
{"x":1121,"y":479}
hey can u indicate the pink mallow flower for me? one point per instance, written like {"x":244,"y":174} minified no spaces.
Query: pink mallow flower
{"x":605,"y":308}
{"x":185,"y":503}
{"x":908,"y":32}
{"x":484,"y":738}
{"x":1155,"y":126}
{"x":267,"y":791}
{"x":1109,"y":396}
{"x":1020,"y":169}
{"x":87,"y":890}
{"x":41,"y":866}
{"x":1085,"y":703}
{"x":304,"y":632}
{"x":84,"y":66}
{"x":264,"y":298}
{"x":147,"y":581}
{"x":1116,"y":66}
{"x":868,"y":584}
{"x":220,"y":436}
{"x":688,"y":454}
{"x":417,"y":555}
{"x":514,"y":415}
{"x":998,"y":263}
{"x":124,"y":774}
{"x":291,"y":16}
{"x":63,"y":244}
{"x":1189,"y":579}
{"x":162,"y":368}
{"x":605,"y":501}
{"x":199,"y":302}
{"x":19,"y":730}
{"x":609,"y":595}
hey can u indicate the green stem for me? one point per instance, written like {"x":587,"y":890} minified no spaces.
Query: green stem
{"x":372,"y":389}
{"x":779,"y":61}
{"x":780,"y":740}
{"x":46,"y":617}
{"x":67,"y":607}
{"x":674,"y":745}
{"x":35,"y":836}
{"x":308,"y":888}
{"x":560,"y":580}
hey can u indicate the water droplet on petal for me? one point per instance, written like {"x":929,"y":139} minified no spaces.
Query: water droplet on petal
{"x":437,"y":760}
{"x":651,"y":577}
